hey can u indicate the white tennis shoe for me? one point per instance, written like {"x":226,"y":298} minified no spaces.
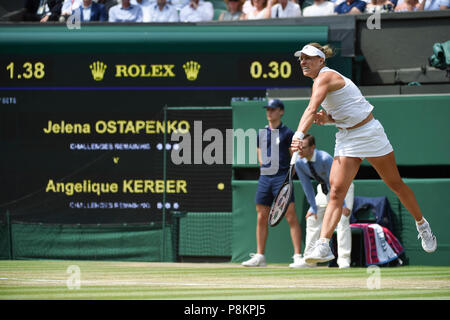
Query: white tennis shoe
{"x":299,"y":262}
{"x":343,"y":263}
{"x":257,"y":260}
{"x":320,"y":253}
{"x":429,"y":243}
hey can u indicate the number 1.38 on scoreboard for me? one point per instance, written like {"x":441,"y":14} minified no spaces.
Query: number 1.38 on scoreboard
{"x":27,"y":70}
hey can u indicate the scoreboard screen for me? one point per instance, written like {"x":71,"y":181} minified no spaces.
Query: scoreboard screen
{"x":156,"y":71}
{"x":65,"y":164}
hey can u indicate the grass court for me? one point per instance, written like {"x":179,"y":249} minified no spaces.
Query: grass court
{"x":51,"y":279}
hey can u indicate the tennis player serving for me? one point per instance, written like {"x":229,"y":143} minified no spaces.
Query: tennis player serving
{"x":360,"y":136}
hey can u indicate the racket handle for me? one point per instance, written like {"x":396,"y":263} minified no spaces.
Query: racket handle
{"x":294,"y":157}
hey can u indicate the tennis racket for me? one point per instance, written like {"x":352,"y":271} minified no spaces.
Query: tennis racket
{"x":281,"y":202}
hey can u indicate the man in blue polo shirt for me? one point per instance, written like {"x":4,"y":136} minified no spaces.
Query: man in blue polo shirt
{"x":351,"y":7}
{"x":125,"y":12}
{"x":316,"y":164}
{"x":274,"y":157}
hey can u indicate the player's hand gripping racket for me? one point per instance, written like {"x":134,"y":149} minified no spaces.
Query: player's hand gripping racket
{"x":281,"y":202}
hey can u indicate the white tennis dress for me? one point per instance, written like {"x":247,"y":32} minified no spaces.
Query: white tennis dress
{"x":348,"y":107}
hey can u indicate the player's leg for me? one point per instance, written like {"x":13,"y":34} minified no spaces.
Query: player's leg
{"x":343,"y":171}
{"x":387,"y":169}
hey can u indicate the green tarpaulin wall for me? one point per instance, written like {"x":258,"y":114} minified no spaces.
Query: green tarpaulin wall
{"x":81,"y":242}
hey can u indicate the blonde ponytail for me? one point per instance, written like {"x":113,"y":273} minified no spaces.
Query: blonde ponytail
{"x":326,"y":49}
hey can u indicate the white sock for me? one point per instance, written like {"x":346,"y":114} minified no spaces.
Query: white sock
{"x":325,"y":240}
{"x":425,"y":222}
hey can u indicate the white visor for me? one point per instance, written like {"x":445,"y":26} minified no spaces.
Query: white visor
{"x":310,"y":51}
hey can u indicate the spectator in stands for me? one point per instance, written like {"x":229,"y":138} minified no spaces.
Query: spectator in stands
{"x":91,"y":11}
{"x":434,"y":5}
{"x":145,"y":7}
{"x":248,"y":7}
{"x":351,"y":7}
{"x":108,"y":3}
{"x":42,"y":10}
{"x":70,"y":5}
{"x":407,"y":5}
{"x":261,"y":10}
{"x":285,"y":9}
{"x":179,"y":4}
{"x":381,"y":6}
{"x":234,"y":10}
{"x":319,"y":8}
{"x":197,"y":10}
{"x":338,"y":2}
{"x":161,"y":11}
{"x":125,"y":12}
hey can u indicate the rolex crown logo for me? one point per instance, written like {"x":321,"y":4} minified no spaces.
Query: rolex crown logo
{"x":191,"y":69}
{"x":98,"y":70}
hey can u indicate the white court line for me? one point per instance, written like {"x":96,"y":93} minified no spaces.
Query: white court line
{"x":219,"y":285}
{"x":33,"y":280}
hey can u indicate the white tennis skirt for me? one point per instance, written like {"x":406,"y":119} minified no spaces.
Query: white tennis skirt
{"x":369,"y":140}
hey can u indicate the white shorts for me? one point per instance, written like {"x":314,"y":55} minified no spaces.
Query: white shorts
{"x":369,"y":140}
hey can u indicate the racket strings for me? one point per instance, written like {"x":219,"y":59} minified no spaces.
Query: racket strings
{"x":280,"y":205}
